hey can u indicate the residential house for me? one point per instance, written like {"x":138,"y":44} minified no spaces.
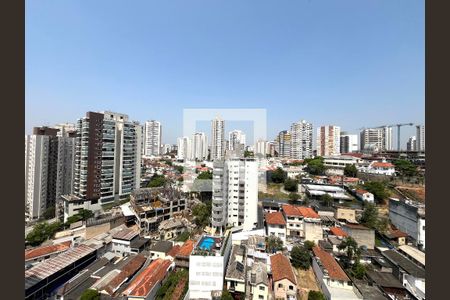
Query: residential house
{"x":283,"y":278}
{"x":257,"y":282}
{"x":303,"y":222}
{"x":160,"y":249}
{"x":276,"y":225}
{"x":363,"y":235}
{"x":128,"y":241}
{"x":364,"y":195}
{"x":236,"y":270}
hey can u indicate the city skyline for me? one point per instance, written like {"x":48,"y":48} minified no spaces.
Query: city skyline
{"x":373,"y":74}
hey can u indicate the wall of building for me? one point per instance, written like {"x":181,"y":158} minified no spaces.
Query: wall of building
{"x":206,"y":274}
{"x":313,"y":232}
{"x":345,"y":213}
{"x":275,"y":230}
{"x":404,"y":217}
{"x":364,"y":237}
{"x":257,"y":292}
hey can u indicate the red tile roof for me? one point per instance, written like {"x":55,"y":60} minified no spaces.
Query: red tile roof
{"x":358,"y":155}
{"x":46,"y":250}
{"x":275,"y":218}
{"x":396,"y":233}
{"x":337,"y":231}
{"x":300,"y":211}
{"x":356,"y":226}
{"x":330,"y":264}
{"x":128,"y":270}
{"x":361,"y":192}
{"x":143,"y":284}
{"x":186,"y":249}
{"x":174,"y":251}
{"x":281,"y":268}
{"x":378,"y":164}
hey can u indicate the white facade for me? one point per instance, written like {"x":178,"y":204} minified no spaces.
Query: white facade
{"x":184,"y":148}
{"x":376,"y":139}
{"x":235,"y":194}
{"x":328,"y":140}
{"x":277,"y":230}
{"x":36,"y":164}
{"x":217,"y":139}
{"x":411,"y":144}
{"x":152,"y":138}
{"x":65,"y":129}
{"x":420,"y":135}
{"x":199,"y":146}
{"x":262,"y":148}
{"x":166,"y":148}
{"x":236,"y":137}
{"x":301,"y":140}
{"x":349,"y":143}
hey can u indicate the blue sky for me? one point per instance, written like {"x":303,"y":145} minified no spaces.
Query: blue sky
{"x":350,"y":63}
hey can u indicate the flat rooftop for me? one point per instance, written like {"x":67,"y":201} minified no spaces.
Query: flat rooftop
{"x":208,"y":244}
{"x":126,"y":234}
{"x":415,"y":253}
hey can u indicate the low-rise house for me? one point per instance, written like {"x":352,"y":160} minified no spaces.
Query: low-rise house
{"x":39,"y":254}
{"x":182,"y":257}
{"x":413,"y":254}
{"x":236,"y":270}
{"x":302,"y":222}
{"x":160,"y":249}
{"x":387,"y":282}
{"x":363,"y":235}
{"x":147,"y":283}
{"x":170,"y":228}
{"x":377,"y":167}
{"x":283,"y":278}
{"x":333,"y":281}
{"x":396,"y":236}
{"x":276,"y":225}
{"x":257,"y":282}
{"x":346,"y":214}
{"x":410,"y":274}
{"x":128,"y":241}
{"x":364,"y":195}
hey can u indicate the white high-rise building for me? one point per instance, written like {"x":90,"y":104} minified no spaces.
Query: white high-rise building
{"x":166,"y":148}
{"x":217,"y":139}
{"x":64,"y":129}
{"x":349,"y":143}
{"x":261,"y":147}
{"x":376,"y":139}
{"x":152,"y":138}
{"x":420,"y":137}
{"x":328,"y":140}
{"x":108,"y":157}
{"x":411,"y":144}
{"x":184,"y":148}
{"x":236,"y":137}
{"x":301,"y":140}
{"x":199,"y":146}
{"x":235,"y":194}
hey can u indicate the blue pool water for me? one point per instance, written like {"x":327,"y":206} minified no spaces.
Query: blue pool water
{"x":207,"y":244}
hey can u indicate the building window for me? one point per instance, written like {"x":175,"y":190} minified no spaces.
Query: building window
{"x":261,"y":297}
{"x":291,"y":287}
{"x":280,"y":285}
{"x":261,"y":288}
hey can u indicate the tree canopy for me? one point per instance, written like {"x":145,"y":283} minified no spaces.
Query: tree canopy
{"x":291,"y":185}
{"x":278,"y":176}
{"x":351,"y":247}
{"x":315,"y":166}
{"x":300,"y":257}
{"x":405,"y":168}
{"x":274,"y":244}
{"x":315,"y":295}
{"x":202,"y":213}
{"x":293,"y":198}
{"x":326,"y":200}
{"x":42,"y":232}
{"x":157,"y":181}
{"x":378,"y":189}
{"x":90,"y":294}
{"x":350,"y":171}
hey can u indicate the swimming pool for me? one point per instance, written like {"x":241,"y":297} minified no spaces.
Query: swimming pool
{"x":207,"y":243}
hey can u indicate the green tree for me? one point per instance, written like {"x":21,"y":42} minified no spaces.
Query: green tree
{"x":351,"y":246}
{"x":202,"y":213}
{"x":315,"y":166}
{"x":315,"y":295}
{"x":85,"y":214}
{"x":326,"y":200}
{"x":291,"y":185}
{"x":157,"y":181}
{"x":405,"y":168}
{"x":278,"y":176}
{"x":378,"y":189}
{"x":90,"y":294}
{"x":358,"y":270}
{"x":300,"y":257}
{"x":205,"y":175}
{"x":248,"y":153}
{"x":293,"y":198}
{"x":179,"y":169}
{"x":369,"y":216}
{"x":350,"y":171}
{"x":49,"y":213}
{"x":309,"y":245}
{"x":42,"y":232}
{"x":226,"y":295}
{"x":274,"y":244}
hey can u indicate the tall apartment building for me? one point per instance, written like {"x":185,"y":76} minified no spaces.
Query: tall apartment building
{"x":261,"y":147}
{"x":411,"y":145}
{"x":49,"y":159}
{"x":166,"y":148}
{"x":328,"y":140}
{"x":199,"y":146}
{"x":283,"y":144}
{"x":107,"y":157}
{"x":217,"y":139}
{"x":301,"y":140}
{"x":65,"y":129}
{"x":236,"y":138}
{"x":235,"y":193}
{"x":184,"y":148}
{"x":349,"y":143}
{"x":152,"y":138}
{"x":376,"y":139}
{"x":420,"y":137}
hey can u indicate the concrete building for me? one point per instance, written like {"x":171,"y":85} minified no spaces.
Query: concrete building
{"x":107,"y":157}
{"x":276,"y":225}
{"x":166,"y":149}
{"x":258,"y":282}
{"x":346,"y":214}
{"x":261,"y":148}
{"x":235,"y":277}
{"x":364,"y":195}
{"x":301,"y":140}
{"x":333,"y":281}
{"x":236,"y":137}
{"x":49,"y":164}
{"x":411,"y":144}
{"x":348,"y":143}
{"x":184,"y":148}
{"x":235,"y":193}
{"x":127,"y":241}
{"x":378,"y":168}
{"x":199,"y":147}
{"x":284,"y":280}
{"x":302,"y":222}
{"x":283,"y":144}
{"x":207,"y":266}
{"x":217,"y":139}
{"x":160,"y":249}
{"x":363,"y":235}
{"x":336,"y":164}
{"x":65,"y":129}
{"x":328,"y":140}
{"x":409,"y":217}
{"x":420,"y":138}
{"x":152,"y":138}
{"x":376,"y":139}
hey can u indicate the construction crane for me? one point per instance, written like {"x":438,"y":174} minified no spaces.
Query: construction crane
{"x":390,"y":126}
